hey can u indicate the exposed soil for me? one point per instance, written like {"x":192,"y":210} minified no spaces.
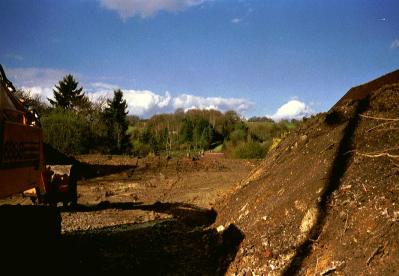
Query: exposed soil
{"x":326,"y":200}
{"x":147,"y":216}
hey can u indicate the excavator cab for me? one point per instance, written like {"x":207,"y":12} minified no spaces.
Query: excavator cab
{"x":22,"y":160}
{"x":21,"y":144}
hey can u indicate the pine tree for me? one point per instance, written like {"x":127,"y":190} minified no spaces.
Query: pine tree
{"x":67,"y":95}
{"x":116,"y":119}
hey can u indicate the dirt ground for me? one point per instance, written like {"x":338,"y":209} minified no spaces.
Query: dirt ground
{"x":325,"y":201}
{"x":148,"y":216}
{"x":120,"y":188}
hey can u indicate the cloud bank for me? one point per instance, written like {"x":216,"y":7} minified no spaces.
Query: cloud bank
{"x":145,"y":103}
{"x":38,"y":81}
{"x":33,"y":76}
{"x":293,"y":109}
{"x":146,"y":8}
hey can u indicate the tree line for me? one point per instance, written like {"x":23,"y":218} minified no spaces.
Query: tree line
{"x":75,"y":125}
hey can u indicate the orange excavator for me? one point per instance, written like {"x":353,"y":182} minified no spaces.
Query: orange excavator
{"x":22,"y":158}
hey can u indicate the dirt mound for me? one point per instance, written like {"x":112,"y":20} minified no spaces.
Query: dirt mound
{"x":362,"y":91}
{"x":327,"y":198}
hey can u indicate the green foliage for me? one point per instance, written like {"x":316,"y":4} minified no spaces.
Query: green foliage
{"x":67,"y":131}
{"x":74,"y":133}
{"x":203,"y":134}
{"x":198,"y":130}
{"x":115,"y":116}
{"x":239,"y":134}
{"x":228,"y":123}
{"x":77,"y":125}
{"x":186,"y":131}
{"x":67,"y":95}
{"x":132,"y":119}
{"x":140,"y":149}
{"x":264,"y":130}
{"x":260,"y":119}
{"x":219,"y":148}
{"x":249,"y":150}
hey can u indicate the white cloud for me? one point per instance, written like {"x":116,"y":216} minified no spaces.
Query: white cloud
{"x":236,"y":20}
{"x":101,"y":86}
{"x":146,"y":8}
{"x":145,"y":103}
{"x":187,"y":102}
{"x":42,"y":92}
{"x":293,"y":109}
{"x":36,"y":77}
{"x":395,"y":44}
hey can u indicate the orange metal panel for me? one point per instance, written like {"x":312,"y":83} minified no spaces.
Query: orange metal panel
{"x":21,"y":159}
{"x":18,"y":180}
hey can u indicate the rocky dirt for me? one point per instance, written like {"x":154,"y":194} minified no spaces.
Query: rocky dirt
{"x":326,"y":200}
{"x":146,"y":216}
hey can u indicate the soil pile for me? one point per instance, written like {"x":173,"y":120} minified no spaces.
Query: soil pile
{"x":326,"y":200}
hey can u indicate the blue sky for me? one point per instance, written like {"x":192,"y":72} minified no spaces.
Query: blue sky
{"x":251,"y":56}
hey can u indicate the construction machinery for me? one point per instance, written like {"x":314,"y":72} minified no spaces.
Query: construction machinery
{"x":22,"y":155}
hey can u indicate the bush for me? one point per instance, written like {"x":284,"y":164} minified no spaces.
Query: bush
{"x":74,"y":133}
{"x":218,"y":148}
{"x":238,"y":135}
{"x":249,"y":150}
{"x":140,"y":149}
{"x":66,"y":131}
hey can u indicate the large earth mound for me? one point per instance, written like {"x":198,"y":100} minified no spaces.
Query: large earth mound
{"x":326,"y":200}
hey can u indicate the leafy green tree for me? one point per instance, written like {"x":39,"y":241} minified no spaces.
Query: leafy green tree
{"x":228,"y":122}
{"x":238,"y":135}
{"x":115,"y":115}
{"x":203,"y":133}
{"x":67,"y":95}
{"x":148,"y":137}
{"x":140,"y":149}
{"x":186,"y":131}
{"x":249,"y":150}
{"x":67,"y":131}
{"x":210,"y":135}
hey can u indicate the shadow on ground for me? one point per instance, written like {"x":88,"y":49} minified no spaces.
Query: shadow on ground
{"x":29,"y":237}
{"x":338,"y":169}
{"x":183,"y":245}
{"x":88,"y":171}
{"x":188,"y":214}
{"x":83,"y":170}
